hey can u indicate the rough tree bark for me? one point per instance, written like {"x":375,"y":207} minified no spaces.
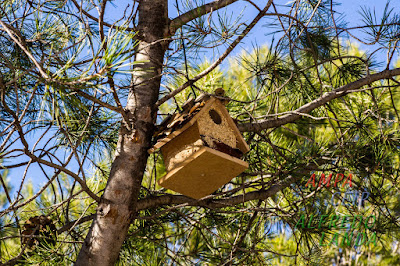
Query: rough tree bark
{"x":118,"y":203}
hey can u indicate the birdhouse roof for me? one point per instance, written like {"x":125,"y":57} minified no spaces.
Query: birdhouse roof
{"x":174,"y":125}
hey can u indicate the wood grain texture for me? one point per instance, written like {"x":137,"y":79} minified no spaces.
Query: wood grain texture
{"x":203,"y":173}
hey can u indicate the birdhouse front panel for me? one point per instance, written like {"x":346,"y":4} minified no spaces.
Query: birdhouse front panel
{"x":214,"y":128}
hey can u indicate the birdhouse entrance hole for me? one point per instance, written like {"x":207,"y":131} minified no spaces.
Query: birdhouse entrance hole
{"x":215,"y":116}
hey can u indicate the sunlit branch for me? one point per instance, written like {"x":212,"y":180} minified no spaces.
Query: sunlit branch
{"x":327,"y":97}
{"x":183,"y":19}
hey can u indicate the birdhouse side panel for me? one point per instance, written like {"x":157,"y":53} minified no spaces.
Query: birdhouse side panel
{"x":213,"y":126}
{"x":181,"y":147}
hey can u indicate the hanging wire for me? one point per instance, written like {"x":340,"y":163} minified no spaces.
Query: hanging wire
{"x":184,"y":52}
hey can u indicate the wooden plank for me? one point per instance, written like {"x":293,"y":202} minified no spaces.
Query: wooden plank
{"x":203,"y":173}
{"x":242,"y":145}
{"x":179,"y":149}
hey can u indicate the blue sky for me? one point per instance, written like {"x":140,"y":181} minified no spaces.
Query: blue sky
{"x":349,"y":8}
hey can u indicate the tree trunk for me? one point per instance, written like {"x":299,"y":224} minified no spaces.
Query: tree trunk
{"x":116,"y":208}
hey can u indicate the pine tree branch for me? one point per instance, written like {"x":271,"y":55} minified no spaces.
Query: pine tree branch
{"x":101,"y":22}
{"x":74,"y":223}
{"x":327,"y":97}
{"x":159,"y":201}
{"x":16,"y":36}
{"x":219,"y":60}
{"x":181,"y":20}
{"x":33,"y":157}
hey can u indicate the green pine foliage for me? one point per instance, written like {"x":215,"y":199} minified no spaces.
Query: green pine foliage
{"x":355,"y":134}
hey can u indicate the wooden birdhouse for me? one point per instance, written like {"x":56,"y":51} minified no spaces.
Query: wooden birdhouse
{"x":201,"y":147}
